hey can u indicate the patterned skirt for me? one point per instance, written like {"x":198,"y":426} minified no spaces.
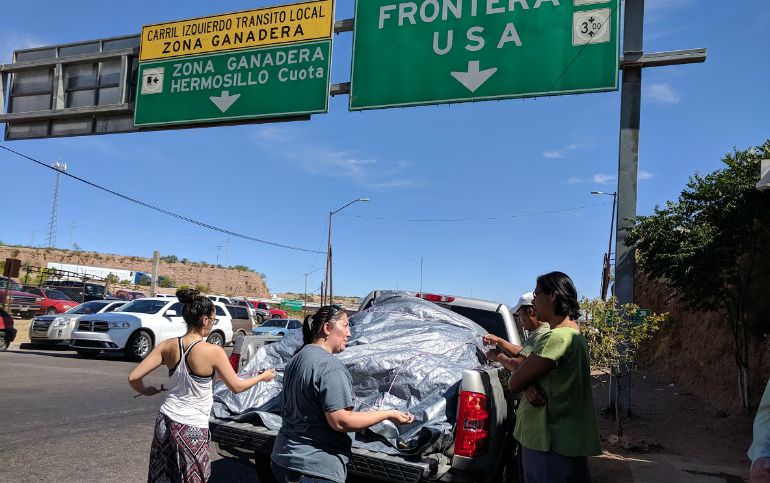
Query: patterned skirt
{"x":179,"y":453}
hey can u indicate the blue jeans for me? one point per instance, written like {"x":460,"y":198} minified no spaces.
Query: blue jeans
{"x":550,"y":467}
{"x":285,"y":475}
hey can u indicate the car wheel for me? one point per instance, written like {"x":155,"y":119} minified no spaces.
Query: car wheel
{"x":240,"y":332}
{"x":4,"y":342}
{"x":51,"y":311}
{"x":275,"y":316}
{"x":216,"y":338}
{"x":87,"y":354}
{"x":259,"y":319}
{"x":139,"y":345}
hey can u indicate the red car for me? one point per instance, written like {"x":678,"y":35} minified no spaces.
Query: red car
{"x":274,"y":313}
{"x":54,"y":301}
{"x":7,"y":332}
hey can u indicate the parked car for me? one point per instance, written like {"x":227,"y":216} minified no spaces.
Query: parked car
{"x":274,"y":313}
{"x":22,"y":303}
{"x":278,"y":327}
{"x":7,"y":332}
{"x":129,"y":294}
{"x":78,"y":290}
{"x":220,"y":298}
{"x":241,"y":320}
{"x":484,"y":448}
{"x":256,"y":318}
{"x":139,"y":326}
{"x":54,"y":301}
{"x":57,"y":329}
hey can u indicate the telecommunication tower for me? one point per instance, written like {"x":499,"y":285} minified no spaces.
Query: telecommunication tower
{"x":53,"y":222}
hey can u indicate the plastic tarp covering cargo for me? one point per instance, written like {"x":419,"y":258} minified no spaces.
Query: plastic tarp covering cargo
{"x":404,"y":353}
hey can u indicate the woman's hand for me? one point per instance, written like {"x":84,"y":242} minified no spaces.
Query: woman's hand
{"x":400,"y":417}
{"x":494,"y":355}
{"x":267,"y":376}
{"x":534,"y":396}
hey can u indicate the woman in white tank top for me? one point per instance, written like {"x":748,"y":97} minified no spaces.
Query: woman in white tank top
{"x":180,"y":445}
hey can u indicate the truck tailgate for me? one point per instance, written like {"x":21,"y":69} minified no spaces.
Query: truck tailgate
{"x":235,"y":438}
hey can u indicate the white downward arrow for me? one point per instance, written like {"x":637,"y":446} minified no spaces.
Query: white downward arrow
{"x":474,"y":77}
{"x":224,"y":101}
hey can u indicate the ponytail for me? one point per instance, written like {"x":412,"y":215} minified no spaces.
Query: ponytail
{"x":312,"y":327}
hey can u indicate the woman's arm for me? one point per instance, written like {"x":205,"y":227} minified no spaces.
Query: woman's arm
{"x":347,"y":420}
{"x":230,"y":378}
{"x":533,"y":368}
{"x":149,"y":364}
{"x":510,"y":363}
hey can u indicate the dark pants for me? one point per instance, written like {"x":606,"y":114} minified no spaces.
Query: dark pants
{"x":550,"y":467}
{"x":285,"y":475}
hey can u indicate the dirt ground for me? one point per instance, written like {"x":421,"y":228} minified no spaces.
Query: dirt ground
{"x":667,"y":420}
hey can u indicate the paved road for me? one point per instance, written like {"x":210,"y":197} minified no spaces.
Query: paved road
{"x":71,"y":419}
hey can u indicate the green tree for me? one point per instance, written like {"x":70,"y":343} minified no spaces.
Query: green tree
{"x":166,"y":282}
{"x":708,"y":246}
{"x":112,"y":278}
{"x":614,"y":334}
{"x":170,"y":259}
{"x":241,"y":268}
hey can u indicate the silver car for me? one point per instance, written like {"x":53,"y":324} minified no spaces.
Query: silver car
{"x":56,"y":329}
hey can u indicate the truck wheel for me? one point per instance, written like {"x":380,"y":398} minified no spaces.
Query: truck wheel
{"x":216,"y":338}
{"x":87,"y":354}
{"x":264,"y":472}
{"x":51,"y":311}
{"x":139,"y":345}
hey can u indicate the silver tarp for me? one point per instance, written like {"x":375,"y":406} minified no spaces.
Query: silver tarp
{"x":404,"y":353}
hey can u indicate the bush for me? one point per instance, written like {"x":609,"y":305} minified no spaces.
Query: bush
{"x":203,"y":288}
{"x":166,"y":282}
{"x":170,"y":259}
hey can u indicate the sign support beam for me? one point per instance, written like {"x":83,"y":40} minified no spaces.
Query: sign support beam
{"x":628,"y":163}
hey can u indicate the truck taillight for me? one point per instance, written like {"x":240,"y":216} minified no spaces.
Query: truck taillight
{"x":235,"y":359}
{"x":472,"y":425}
{"x":435,"y":298}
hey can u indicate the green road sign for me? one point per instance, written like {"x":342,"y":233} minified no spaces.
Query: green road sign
{"x":415,"y":52}
{"x":248,"y":84}
{"x":291,"y":305}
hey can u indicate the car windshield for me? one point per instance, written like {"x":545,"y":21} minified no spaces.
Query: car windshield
{"x":144,"y":306}
{"x":275,"y":323}
{"x":56,"y":295}
{"x":14,"y":285}
{"x":87,"y":308}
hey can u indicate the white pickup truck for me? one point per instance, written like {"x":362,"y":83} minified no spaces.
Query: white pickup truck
{"x":140,"y":325}
{"x":484,"y":449}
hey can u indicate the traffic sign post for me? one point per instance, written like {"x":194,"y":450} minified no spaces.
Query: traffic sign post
{"x":248,"y":84}
{"x":440,"y":51}
{"x":265,"y":63}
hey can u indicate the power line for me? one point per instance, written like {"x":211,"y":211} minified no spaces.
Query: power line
{"x":488,"y":218}
{"x":161,"y":210}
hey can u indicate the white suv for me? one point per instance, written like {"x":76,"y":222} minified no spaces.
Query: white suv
{"x":139,"y":326}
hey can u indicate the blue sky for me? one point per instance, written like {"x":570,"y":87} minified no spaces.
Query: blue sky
{"x":476,"y":160}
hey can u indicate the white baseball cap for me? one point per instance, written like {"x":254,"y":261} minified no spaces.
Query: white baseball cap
{"x":524,"y":300}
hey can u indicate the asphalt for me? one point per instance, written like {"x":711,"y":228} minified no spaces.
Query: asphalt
{"x":70,"y":419}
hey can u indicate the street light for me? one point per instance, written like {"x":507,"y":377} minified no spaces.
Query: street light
{"x":606,"y":265}
{"x":328,"y":277}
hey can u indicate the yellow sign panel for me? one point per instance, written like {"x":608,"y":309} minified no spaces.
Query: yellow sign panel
{"x":251,"y":28}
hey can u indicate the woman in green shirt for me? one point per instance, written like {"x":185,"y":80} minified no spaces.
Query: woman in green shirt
{"x":557,"y":431}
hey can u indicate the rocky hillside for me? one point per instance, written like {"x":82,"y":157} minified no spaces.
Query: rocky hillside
{"x":217,"y":280}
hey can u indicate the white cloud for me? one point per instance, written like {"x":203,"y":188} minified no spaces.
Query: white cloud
{"x":604,"y":178}
{"x":661,"y":93}
{"x":11,"y":41}
{"x":574,"y":180}
{"x":644,"y":175}
{"x":366,"y":171}
{"x":562,"y":152}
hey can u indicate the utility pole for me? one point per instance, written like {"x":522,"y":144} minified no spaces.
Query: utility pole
{"x":54,"y":219}
{"x":607,"y":265}
{"x":72,"y":231}
{"x":155,"y":264}
{"x":219,"y":247}
{"x":421,"y":260}
{"x":328,"y":277}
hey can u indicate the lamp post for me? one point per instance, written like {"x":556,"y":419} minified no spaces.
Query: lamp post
{"x":304,"y":305}
{"x":606,"y":266}
{"x":328,"y":277}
